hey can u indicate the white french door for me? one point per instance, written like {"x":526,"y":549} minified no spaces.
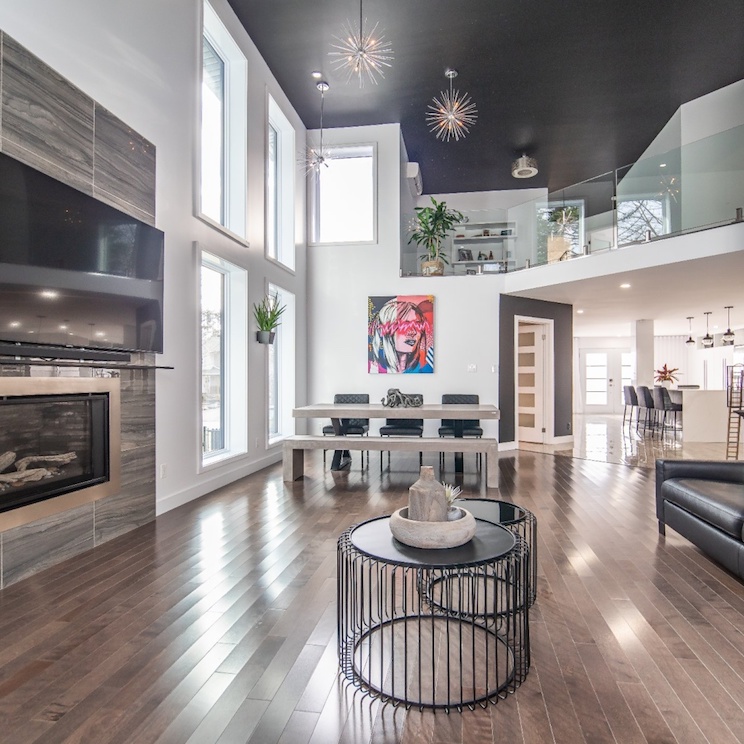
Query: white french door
{"x":604,"y":373}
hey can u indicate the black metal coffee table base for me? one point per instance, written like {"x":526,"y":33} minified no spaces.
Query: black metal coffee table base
{"x":459,"y":643}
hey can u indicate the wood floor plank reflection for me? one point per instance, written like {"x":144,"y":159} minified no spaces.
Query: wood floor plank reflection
{"x":217,"y":623}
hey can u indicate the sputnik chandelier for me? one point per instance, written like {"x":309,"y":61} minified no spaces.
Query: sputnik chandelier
{"x":362,"y":53}
{"x":316,"y":156}
{"x":451,"y":115}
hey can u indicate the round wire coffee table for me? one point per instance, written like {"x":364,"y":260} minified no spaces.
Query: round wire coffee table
{"x":433,"y":628}
{"x":519,"y":520}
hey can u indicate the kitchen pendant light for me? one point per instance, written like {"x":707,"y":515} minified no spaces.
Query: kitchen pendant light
{"x":707,"y":338}
{"x":690,"y":340}
{"x":729,"y":336}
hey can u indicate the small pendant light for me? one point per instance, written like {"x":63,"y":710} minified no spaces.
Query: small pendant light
{"x":707,"y":338}
{"x":690,"y":340}
{"x":729,"y":336}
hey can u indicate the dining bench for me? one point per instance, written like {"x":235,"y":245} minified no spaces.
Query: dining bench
{"x":295,"y":446}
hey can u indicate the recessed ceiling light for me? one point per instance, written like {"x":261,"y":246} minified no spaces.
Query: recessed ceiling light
{"x":316,"y":74}
{"x":14,"y":324}
{"x":100,"y":333}
{"x":579,"y":312}
{"x":662,"y":165}
{"x":63,"y":328}
{"x":625,"y":286}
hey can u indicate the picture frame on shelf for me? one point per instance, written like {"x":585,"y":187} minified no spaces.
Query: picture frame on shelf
{"x":464,"y":254}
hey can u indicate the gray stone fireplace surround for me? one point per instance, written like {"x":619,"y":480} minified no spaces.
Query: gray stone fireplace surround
{"x":48,"y":123}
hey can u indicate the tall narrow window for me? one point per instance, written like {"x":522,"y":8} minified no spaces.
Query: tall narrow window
{"x":281,"y":366}
{"x":272,"y":194}
{"x":224,"y":380}
{"x":213,"y":359}
{"x":280,"y":187}
{"x":343,"y":197}
{"x":212,"y":134}
{"x":224,"y":120}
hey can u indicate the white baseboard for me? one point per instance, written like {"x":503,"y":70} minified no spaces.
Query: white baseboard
{"x":508,"y":446}
{"x":209,"y":482}
{"x":561,"y":440}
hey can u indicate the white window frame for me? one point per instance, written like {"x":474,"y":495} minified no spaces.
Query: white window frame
{"x":282,"y":223}
{"x":235,"y":361}
{"x":285,"y":354}
{"x":235,"y":136}
{"x":338,"y":152}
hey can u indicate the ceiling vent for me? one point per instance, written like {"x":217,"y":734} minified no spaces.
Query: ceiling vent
{"x":524,"y":167}
{"x":413,"y":174}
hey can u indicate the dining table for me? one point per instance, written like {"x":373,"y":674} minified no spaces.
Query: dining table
{"x":339,"y":413}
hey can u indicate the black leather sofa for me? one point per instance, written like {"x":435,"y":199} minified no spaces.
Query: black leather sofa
{"x":703,"y":500}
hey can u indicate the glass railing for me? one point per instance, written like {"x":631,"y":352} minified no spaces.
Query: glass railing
{"x":694,"y":187}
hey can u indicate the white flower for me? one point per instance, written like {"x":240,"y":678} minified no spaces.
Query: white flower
{"x":451,"y":493}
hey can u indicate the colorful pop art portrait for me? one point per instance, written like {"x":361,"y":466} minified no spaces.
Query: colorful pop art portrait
{"x":400,"y":334}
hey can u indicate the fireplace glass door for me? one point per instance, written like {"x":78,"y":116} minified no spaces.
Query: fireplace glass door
{"x":51,"y":445}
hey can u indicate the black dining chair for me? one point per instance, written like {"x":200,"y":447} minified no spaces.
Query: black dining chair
{"x":352,"y":427}
{"x":470,"y":427}
{"x":631,"y":400}
{"x":645,"y":401}
{"x":403,"y":427}
{"x":663,"y":403}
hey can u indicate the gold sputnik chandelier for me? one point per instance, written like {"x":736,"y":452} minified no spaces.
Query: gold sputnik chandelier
{"x":451,"y":115}
{"x":362,"y":53}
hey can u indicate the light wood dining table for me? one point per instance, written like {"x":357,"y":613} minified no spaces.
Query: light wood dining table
{"x":339,"y":412}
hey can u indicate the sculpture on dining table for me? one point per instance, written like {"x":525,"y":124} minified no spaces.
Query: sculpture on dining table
{"x":395,"y":398}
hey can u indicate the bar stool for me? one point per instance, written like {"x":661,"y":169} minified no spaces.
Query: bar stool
{"x":645,"y":400}
{"x":631,"y":399}
{"x":663,"y":403}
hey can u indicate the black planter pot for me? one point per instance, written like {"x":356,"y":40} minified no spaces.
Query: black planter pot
{"x":265,"y":337}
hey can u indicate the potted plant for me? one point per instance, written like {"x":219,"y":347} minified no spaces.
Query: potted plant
{"x":666,"y":375}
{"x":268,"y":315}
{"x":431,"y":225}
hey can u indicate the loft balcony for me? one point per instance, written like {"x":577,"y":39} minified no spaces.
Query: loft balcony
{"x":686,"y":189}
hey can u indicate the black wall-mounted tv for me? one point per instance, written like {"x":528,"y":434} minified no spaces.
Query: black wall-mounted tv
{"x":75,"y":273}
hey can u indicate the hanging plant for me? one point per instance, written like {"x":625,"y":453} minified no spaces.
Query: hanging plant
{"x":267,"y":314}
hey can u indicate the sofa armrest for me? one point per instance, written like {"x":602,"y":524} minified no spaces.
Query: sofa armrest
{"x":730,"y":471}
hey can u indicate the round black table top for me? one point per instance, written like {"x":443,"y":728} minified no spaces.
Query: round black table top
{"x":374,"y":538}
{"x":500,"y":512}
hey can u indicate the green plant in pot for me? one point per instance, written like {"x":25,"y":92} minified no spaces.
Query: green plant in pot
{"x":268,"y":315}
{"x":431,"y":225}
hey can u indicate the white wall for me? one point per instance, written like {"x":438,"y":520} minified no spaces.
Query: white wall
{"x":142,"y":61}
{"x":341,"y":277}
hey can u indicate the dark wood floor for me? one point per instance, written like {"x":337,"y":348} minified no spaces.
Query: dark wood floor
{"x":217,"y":623}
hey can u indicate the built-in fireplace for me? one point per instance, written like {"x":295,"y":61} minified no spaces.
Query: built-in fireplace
{"x":59,"y":444}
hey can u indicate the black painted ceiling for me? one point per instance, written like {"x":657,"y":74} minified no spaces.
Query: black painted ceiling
{"x":581,"y":85}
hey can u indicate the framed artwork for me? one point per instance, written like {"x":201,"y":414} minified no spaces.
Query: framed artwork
{"x":464,"y":254}
{"x":400,"y":334}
